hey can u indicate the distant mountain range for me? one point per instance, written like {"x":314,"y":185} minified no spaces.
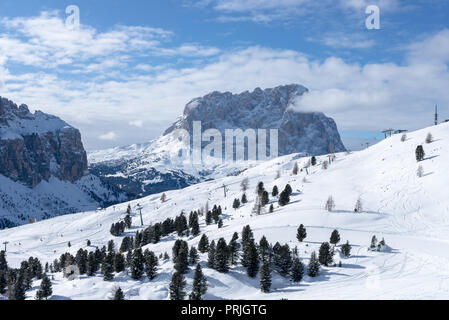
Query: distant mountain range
{"x":145,"y":169}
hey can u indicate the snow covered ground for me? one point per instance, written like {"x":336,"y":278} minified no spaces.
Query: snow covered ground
{"x":410,"y":212}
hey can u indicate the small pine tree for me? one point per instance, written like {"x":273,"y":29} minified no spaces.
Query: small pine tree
{"x":107,"y":267}
{"x":163,"y":198}
{"x":252,"y":259}
{"x":151,"y":264}
{"x":236,"y":204}
{"x":313,"y":268}
{"x":137,"y":264}
{"x":265,"y":198}
{"x":275,"y":191}
{"x":271,"y":208}
{"x":301,"y":234}
{"x":420,"y":172}
{"x":265,"y":278}
{"x":429,"y":138}
{"x":118,"y":295}
{"x":119,"y":262}
{"x":199,"y":285}
{"x":234,"y":247}
{"x":244,"y":199}
{"x":373,"y":242}
{"x":325,"y":254}
{"x":221,"y":263}
{"x":284,"y":198}
{"x":193,"y":256}
{"x":195,"y":226}
{"x":420,"y":154}
{"x":177,"y":286}
{"x":45,"y":289}
{"x":203,"y":245}
{"x":346,"y":249}
{"x":335,"y":237}
{"x":358,"y":206}
{"x":325,"y":165}
{"x":220,"y":224}
{"x":313,"y":161}
{"x":297,"y":270}
{"x":211,"y":255}
{"x":404,"y":137}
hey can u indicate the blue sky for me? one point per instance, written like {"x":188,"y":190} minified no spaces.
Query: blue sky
{"x":127,"y":73}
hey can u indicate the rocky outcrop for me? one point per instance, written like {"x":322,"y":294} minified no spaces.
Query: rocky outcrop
{"x":34,"y":147}
{"x":305,"y":132}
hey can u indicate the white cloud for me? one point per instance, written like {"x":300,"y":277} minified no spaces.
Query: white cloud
{"x":136,"y":123}
{"x":110,"y":136}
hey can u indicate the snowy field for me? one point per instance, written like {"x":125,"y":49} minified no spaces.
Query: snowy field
{"x":410,"y":212}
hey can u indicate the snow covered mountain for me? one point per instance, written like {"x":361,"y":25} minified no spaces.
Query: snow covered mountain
{"x":410,"y":211}
{"x":43,"y":168}
{"x":147,"y":168}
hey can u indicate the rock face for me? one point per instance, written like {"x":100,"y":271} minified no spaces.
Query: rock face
{"x":145,"y":169}
{"x":306,"y":132}
{"x":34,"y":147}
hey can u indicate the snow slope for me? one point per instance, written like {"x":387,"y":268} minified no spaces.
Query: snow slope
{"x":411,"y":213}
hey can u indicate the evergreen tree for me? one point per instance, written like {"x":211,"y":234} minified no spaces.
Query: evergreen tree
{"x":181,"y":256}
{"x":137,"y":264}
{"x":233,"y":248}
{"x":119,"y":262}
{"x":107,"y":267}
{"x":208,"y":217}
{"x":284,"y":198}
{"x":330,"y":204}
{"x":346,"y":249}
{"x":264,"y":250}
{"x":260,"y":188}
{"x":295,"y":169}
{"x":252,"y":259}
{"x":373,"y":242}
{"x":220,"y":224}
{"x":335,"y":237}
{"x":128,"y":222}
{"x":19,"y":290}
{"x":92,"y":265}
{"x":275,"y":191}
{"x":3,"y":263}
{"x":193,"y":256}
{"x":420,"y":154}
{"x":195,"y":225}
{"x":301,"y":234}
{"x":3,"y":282}
{"x":271,"y":208}
{"x":297,"y":270}
{"x":177,"y":286}
{"x":211,"y":255}
{"x":244,"y":199}
{"x":247,"y":235}
{"x":313,"y":268}
{"x":313,"y":161}
{"x":288,"y":189}
{"x":151,"y":264}
{"x":203,"y":245}
{"x":236,"y":204}
{"x":199,"y":284}
{"x":265,"y":277}
{"x":81,"y":261}
{"x":325,"y":256}
{"x":118,"y":295}
{"x":265,"y":198}
{"x":283,"y":259}
{"x":221,"y":256}
{"x":45,"y":290}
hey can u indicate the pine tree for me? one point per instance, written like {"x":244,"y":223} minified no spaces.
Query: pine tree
{"x":128,"y":222}
{"x":252,"y":259}
{"x":313,"y":268}
{"x":335,"y":237}
{"x":45,"y":290}
{"x":3,"y":282}
{"x":330,"y":204}
{"x":373,"y":242}
{"x":301,"y":234}
{"x":264,"y":250}
{"x":234,"y":247}
{"x":288,"y":189}
{"x":420,"y":154}
{"x":211,"y":255}
{"x":195,"y":226}
{"x":208,"y":217}
{"x":265,"y":277}
{"x":346,"y":249}
{"x":107,"y":267}
{"x":325,"y":255}
{"x":244,"y":199}
{"x":118,"y":295}
{"x":92,"y":265}
{"x":203,"y":245}
{"x":193,"y":256}
{"x":3,"y":263}
{"x":265,"y":198}
{"x":151,"y":264}
{"x":271,"y":208}
{"x":236,"y":204}
{"x":163,"y":198}
{"x":358,"y":206}
{"x":19,"y":290}
{"x":297,"y":270}
{"x":313,"y":161}
{"x":199,"y":284}
{"x":137,"y":264}
{"x":119,"y":262}
{"x":181,"y":256}
{"x":177,"y":287}
{"x":222,"y":256}
{"x":284,"y":198}
{"x":260,"y":188}
{"x":275,"y":191}
{"x":282,"y":259}
{"x":220,"y":224}
{"x":81,"y":261}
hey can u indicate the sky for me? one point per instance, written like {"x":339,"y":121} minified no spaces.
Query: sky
{"x":126,"y":73}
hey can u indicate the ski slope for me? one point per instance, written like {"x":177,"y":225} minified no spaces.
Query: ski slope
{"x":410,"y":212}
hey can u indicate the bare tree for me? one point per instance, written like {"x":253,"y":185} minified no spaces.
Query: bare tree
{"x":359,"y":205}
{"x":404,"y":137}
{"x":295,"y":169}
{"x":325,"y":165}
{"x":420,"y":172}
{"x":429,"y":138}
{"x":330,"y":204}
{"x":244,"y":185}
{"x":163,"y":198}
